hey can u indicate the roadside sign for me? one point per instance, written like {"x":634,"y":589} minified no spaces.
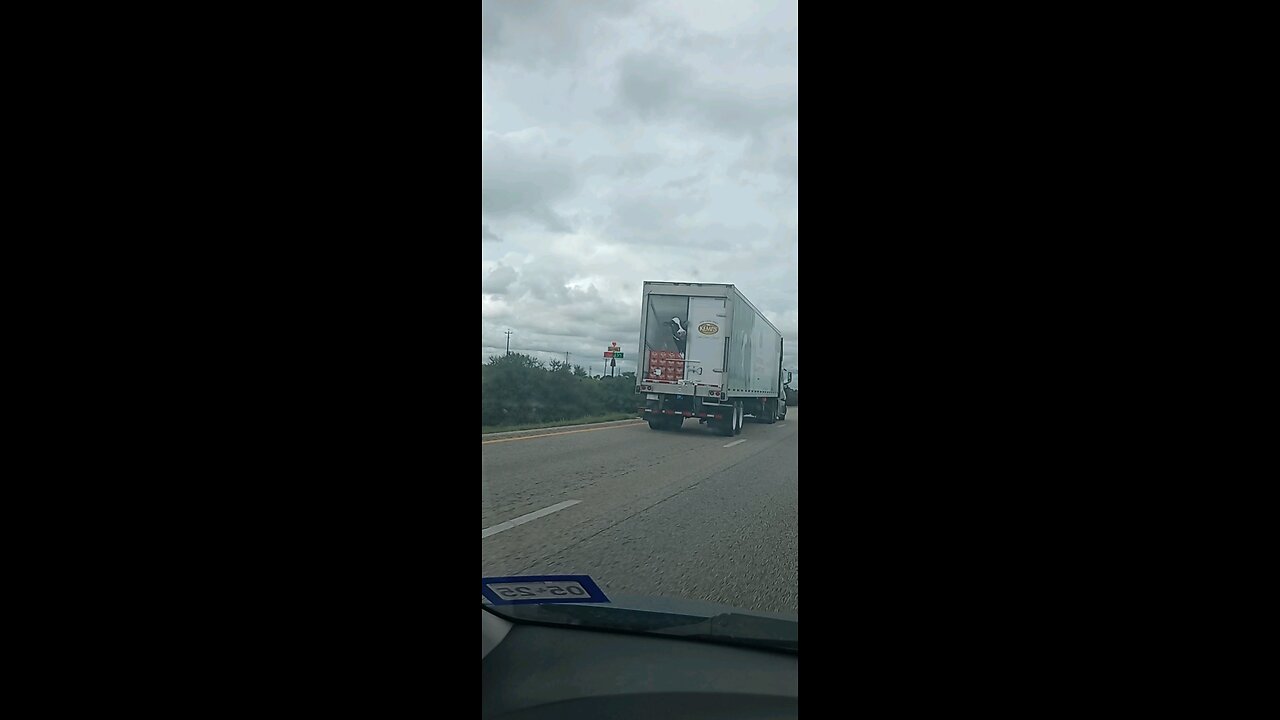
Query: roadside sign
{"x":613,"y":354}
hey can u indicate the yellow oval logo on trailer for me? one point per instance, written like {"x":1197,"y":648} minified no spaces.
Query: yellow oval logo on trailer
{"x":708,"y":328}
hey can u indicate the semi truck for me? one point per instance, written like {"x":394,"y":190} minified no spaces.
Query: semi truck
{"x":706,"y":352}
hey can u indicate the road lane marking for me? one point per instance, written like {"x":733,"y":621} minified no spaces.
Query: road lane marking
{"x":500,"y":527}
{"x":736,"y":442}
{"x":570,"y":432}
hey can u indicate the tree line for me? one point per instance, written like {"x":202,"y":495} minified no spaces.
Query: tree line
{"x":517,"y":389}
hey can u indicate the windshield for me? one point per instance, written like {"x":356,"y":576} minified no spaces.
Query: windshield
{"x":639,"y":298}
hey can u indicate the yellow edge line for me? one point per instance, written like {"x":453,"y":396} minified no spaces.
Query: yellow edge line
{"x":569,"y":432}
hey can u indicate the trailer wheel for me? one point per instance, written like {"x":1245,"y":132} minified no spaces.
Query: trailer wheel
{"x":770,"y":411}
{"x":655,"y":424}
{"x":725,"y":426}
{"x":675,"y":422}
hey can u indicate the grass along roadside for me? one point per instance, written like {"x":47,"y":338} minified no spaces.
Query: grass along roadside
{"x":484,"y":430}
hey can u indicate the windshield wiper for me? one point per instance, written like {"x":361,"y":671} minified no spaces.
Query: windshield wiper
{"x":731,"y":627}
{"x":741,"y":629}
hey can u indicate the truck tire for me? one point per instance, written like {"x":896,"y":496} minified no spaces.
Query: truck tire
{"x":675,"y":422}
{"x":655,"y":424}
{"x":725,"y":426}
{"x":771,"y":411}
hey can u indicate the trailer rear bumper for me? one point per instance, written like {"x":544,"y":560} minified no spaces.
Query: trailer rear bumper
{"x":674,"y":405}
{"x":683,"y":413}
{"x":658,"y":387}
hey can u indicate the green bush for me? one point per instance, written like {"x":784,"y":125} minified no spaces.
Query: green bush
{"x":517,"y":389}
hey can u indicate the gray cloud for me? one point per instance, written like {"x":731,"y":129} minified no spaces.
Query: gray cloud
{"x":654,"y":142}
{"x":655,"y":86}
{"x":774,"y":153}
{"x":581,"y":321}
{"x":695,"y":180}
{"x":543,"y":34}
{"x":622,"y":166}
{"x":653,"y":218}
{"x":498,"y":280}
{"x":523,"y":175}
{"x":487,"y":235}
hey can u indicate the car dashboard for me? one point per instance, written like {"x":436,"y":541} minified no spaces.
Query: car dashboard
{"x":533,"y":671}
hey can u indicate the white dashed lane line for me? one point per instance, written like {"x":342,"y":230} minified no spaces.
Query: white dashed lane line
{"x":501,"y":527}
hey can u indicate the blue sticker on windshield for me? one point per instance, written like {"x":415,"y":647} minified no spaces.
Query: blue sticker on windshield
{"x":541,"y":590}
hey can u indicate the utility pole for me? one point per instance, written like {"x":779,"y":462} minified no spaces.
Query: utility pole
{"x":566,"y":358}
{"x":508,"y":341}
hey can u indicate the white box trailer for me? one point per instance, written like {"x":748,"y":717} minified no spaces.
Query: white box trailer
{"x":707,"y":352}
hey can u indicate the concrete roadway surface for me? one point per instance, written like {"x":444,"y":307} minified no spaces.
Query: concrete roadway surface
{"x":690,"y":514}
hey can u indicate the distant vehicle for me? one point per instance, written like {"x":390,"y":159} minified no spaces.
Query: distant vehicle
{"x":707,"y":352}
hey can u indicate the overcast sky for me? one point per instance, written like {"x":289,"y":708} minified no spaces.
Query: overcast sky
{"x":625,"y":141}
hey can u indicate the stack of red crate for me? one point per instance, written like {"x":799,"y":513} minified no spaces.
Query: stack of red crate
{"x":665,"y":365}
